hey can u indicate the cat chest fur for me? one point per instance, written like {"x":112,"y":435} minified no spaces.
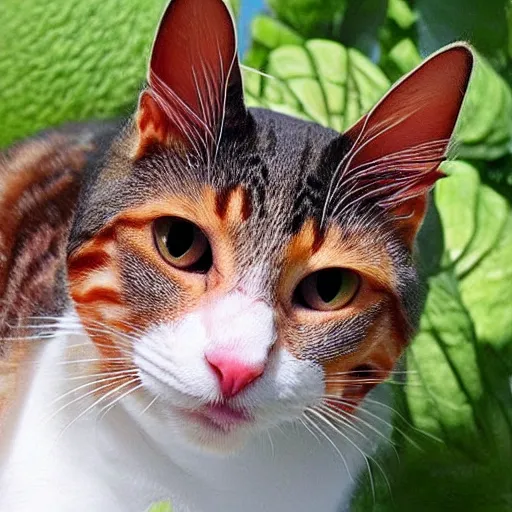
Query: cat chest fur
{"x":117,"y":459}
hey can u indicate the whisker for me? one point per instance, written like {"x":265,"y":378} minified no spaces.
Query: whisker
{"x":146,"y":409}
{"x":309,"y":430}
{"x":94,"y":360}
{"x":89,"y":384}
{"x":390,"y":382}
{"x":313,"y":424}
{"x":404,"y":419}
{"x":374,"y":370}
{"x":366,"y":457}
{"x":104,"y":374}
{"x":67,"y":332}
{"x":335,"y":415}
{"x":95,"y":403}
{"x":81,"y":397}
{"x":272,"y":449}
{"x":331,"y":442}
{"x":107,"y":408}
{"x":102,"y":329}
{"x":257,"y":71}
{"x":373,"y":415}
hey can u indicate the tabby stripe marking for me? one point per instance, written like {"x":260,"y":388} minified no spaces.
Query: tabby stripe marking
{"x":88,"y":262}
{"x":99,"y":295}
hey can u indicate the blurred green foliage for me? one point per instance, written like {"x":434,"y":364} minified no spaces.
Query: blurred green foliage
{"x":161,"y":507}
{"x":453,"y":421}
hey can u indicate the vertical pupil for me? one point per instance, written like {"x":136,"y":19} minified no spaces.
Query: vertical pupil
{"x":180,"y":238}
{"x":328,"y":283}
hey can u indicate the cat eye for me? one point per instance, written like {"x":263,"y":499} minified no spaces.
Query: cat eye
{"x":328,"y":289}
{"x":182,"y":244}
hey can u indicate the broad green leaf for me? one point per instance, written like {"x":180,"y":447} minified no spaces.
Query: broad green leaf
{"x":481,"y":22}
{"x":460,"y":391}
{"x":485,"y":129}
{"x":477,"y":223}
{"x":320,"y":80}
{"x":311,"y":18}
{"x":70,"y":60}
{"x":446,"y":382}
{"x":268,"y":34}
{"x":272,"y":33}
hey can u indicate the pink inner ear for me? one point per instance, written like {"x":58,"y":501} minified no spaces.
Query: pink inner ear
{"x":193,"y":60}
{"x":417,"y":117}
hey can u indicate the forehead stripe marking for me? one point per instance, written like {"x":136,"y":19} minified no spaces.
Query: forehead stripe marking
{"x":87,"y":262}
{"x":318,"y":237}
{"x":98,"y":295}
{"x":226,"y":196}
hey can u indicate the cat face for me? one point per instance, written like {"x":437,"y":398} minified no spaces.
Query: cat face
{"x":246,"y":265}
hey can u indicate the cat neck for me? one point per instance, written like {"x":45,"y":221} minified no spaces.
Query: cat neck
{"x":135,"y":458}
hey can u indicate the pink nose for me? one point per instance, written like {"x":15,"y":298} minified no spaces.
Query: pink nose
{"x":233,"y":375}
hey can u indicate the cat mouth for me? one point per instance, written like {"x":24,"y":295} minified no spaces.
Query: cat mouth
{"x":220,"y":417}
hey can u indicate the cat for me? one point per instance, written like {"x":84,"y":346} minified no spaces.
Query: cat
{"x":197,"y":303}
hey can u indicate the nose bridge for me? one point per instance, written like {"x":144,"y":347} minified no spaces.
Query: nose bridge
{"x":241,"y":323}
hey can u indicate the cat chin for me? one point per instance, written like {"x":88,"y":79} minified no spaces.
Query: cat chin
{"x":218,"y":443}
{"x":204,"y":435}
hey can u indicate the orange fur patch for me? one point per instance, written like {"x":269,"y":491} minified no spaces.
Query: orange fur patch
{"x":39,"y":183}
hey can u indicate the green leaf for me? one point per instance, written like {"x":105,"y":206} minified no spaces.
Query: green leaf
{"x":446,"y":382}
{"x":267,"y":35}
{"x":461,"y":391}
{"x":320,"y":80}
{"x":400,"y":12}
{"x":485,"y":129}
{"x":161,"y":507}
{"x":361,"y":25}
{"x":402,"y":58}
{"x":481,"y":22}
{"x":272,"y":33}
{"x":311,"y":18}
{"x":477,"y":231}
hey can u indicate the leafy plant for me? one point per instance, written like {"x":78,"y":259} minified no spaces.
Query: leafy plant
{"x":454,"y":411}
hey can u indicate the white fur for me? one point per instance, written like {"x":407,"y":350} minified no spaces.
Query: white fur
{"x":127,"y":458}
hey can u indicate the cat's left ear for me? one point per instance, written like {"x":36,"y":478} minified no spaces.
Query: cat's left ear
{"x":195,"y":84}
{"x":398,"y":146}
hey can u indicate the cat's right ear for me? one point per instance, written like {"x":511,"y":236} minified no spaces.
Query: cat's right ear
{"x":194,"y":83}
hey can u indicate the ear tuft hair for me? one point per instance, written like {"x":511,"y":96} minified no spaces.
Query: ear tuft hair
{"x":195,"y":84}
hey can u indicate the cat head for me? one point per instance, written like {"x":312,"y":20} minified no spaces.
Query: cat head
{"x":243,"y":267}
